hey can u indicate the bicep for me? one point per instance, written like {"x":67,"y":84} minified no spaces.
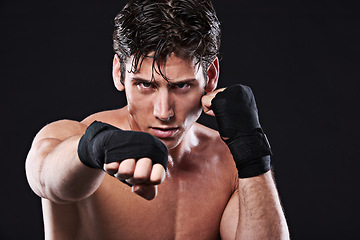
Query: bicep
{"x":48,"y":138}
{"x":230,"y":218}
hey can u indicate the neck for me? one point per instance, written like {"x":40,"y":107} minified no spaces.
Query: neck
{"x":182,"y":150}
{"x":178,"y":153}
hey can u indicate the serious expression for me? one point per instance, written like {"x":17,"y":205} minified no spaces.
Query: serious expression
{"x":164,"y":108}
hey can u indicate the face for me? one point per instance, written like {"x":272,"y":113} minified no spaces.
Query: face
{"x":165,"y":109}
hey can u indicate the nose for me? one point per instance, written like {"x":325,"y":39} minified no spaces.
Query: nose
{"x":163,"y":106}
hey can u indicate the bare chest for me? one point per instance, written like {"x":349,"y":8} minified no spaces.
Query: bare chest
{"x":187,"y":207}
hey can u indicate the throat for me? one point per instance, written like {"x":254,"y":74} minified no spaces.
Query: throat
{"x":182,"y":151}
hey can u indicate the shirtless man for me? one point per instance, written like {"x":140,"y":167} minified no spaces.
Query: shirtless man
{"x":186,"y":182}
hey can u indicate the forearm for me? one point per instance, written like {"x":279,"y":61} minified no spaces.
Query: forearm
{"x":261,"y":215}
{"x":55,"y":172}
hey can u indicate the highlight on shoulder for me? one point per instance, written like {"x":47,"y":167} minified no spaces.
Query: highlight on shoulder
{"x":117,"y":118}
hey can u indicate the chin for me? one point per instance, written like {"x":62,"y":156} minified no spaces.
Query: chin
{"x":171,"y":143}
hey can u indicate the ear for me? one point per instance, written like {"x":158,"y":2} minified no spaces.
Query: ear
{"x":117,"y":74}
{"x":212,"y":76}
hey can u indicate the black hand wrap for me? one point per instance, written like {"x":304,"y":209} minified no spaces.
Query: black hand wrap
{"x":237,"y":117}
{"x":103,"y":143}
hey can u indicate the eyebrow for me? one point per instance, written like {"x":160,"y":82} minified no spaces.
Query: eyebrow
{"x":140,"y":80}
{"x":188,"y":80}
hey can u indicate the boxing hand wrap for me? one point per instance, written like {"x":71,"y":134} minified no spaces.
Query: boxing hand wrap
{"x":104,"y":143}
{"x":237,"y":117}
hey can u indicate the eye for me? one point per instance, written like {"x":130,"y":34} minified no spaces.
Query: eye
{"x":182,"y":85}
{"x":144,"y":84}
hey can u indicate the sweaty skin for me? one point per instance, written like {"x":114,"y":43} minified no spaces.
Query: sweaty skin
{"x":189,"y":204}
{"x":198,"y":196}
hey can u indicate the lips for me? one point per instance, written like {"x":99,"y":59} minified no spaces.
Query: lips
{"x":164,"y":132}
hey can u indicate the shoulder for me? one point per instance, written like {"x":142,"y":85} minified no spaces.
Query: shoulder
{"x":117,"y":118}
{"x":208,"y":137}
{"x":211,"y":145}
{"x":61,"y":130}
{"x":65,"y":128}
{"x":214,"y":153}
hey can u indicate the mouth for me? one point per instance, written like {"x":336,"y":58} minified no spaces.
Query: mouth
{"x":167,"y":132}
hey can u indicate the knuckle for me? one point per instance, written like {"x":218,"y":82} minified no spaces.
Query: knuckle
{"x":126,"y":171}
{"x":130,"y":181}
{"x":156,"y":180}
{"x":140,"y":177}
{"x":158,"y":174}
{"x":123,"y":176}
{"x":111,"y":168}
{"x":143,"y":169}
{"x":126,"y":168}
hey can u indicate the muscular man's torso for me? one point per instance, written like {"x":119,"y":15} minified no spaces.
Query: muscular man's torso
{"x":189,"y":204}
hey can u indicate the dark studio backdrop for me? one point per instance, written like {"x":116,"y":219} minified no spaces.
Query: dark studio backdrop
{"x":301,"y":59}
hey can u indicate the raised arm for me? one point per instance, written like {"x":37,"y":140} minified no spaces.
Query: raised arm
{"x":254,"y":212}
{"x":260,"y":214}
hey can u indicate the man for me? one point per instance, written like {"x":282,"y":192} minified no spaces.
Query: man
{"x":148,"y":170}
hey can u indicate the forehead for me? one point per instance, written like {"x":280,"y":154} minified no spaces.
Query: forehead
{"x":175,"y":68}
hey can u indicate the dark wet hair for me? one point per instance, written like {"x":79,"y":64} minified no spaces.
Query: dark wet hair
{"x":188,"y":28}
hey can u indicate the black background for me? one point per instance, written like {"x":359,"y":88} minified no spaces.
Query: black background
{"x":301,"y":59}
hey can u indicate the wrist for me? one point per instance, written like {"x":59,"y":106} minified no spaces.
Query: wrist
{"x":251,"y":153}
{"x":91,"y":145}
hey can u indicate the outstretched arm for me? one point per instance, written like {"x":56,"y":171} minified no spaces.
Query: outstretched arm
{"x":53,"y":168}
{"x":67,"y":158}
